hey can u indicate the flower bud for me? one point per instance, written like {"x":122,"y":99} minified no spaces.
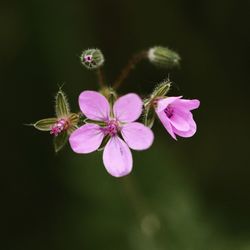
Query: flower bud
{"x":163,"y":57}
{"x":161,"y":89}
{"x":62,"y":125}
{"x":92,"y":58}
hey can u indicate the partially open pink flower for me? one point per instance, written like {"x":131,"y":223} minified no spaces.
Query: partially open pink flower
{"x":117,"y":156}
{"x":176,"y":117}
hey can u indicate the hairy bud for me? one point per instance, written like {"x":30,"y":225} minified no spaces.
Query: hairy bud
{"x":92,"y":58}
{"x":161,"y":89}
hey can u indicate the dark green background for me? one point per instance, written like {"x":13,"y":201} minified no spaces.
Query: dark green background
{"x":192,"y":194}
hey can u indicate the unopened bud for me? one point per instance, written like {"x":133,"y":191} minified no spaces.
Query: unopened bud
{"x":161,"y":89}
{"x":92,"y":58}
{"x":163,"y":57}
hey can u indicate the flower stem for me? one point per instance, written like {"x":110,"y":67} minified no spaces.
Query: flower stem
{"x":100,"y":77}
{"x":128,"y":68}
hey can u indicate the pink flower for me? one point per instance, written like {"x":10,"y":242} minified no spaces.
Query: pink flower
{"x":117,"y":157}
{"x":175,"y":115}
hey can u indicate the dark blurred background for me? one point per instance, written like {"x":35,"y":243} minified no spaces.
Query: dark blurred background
{"x":192,"y":194}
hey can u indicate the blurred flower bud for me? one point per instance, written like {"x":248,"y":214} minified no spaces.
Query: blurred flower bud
{"x":163,"y":57}
{"x":92,"y":58}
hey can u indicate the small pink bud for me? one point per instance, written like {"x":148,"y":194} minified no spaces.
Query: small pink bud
{"x":59,"y":126}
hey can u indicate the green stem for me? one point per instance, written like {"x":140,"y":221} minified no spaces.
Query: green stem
{"x":100,"y":76}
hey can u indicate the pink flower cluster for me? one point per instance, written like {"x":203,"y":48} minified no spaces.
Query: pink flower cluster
{"x":119,"y":127}
{"x":111,"y":125}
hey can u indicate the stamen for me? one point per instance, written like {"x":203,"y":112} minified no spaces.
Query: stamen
{"x":112,"y":128}
{"x":169,"y":111}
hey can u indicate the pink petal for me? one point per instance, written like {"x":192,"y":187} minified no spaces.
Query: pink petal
{"x":137,"y":136}
{"x":188,"y":133}
{"x":86,"y":139}
{"x":187,"y":104}
{"x":117,"y":157}
{"x":163,"y":103}
{"x":166,"y":123}
{"x":179,"y":122}
{"x":128,"y":108}
{"x":94,"y":105}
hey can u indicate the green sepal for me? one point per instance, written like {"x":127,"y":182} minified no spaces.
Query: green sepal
{"x":73,"y":118}
{"x":62,"y":106}
{"x":104,"y":143}
{"x":81,"y":119}
{"x":45,"y":124}
{"x":101,"y":123}
{"x":149,"y":116}
{"x":149,"y":104}
{"x":60,"y":141}
{"x":110,"y":94}
{"x":71,"y":129}
{"x":112,"y":98}
{"x":161,"y":89}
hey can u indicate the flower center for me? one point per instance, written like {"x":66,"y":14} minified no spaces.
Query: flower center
{"x":59,"y":126}
{"x":112,"y":127}
{"x":169,"y":111}
{"x":88,"y":58}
